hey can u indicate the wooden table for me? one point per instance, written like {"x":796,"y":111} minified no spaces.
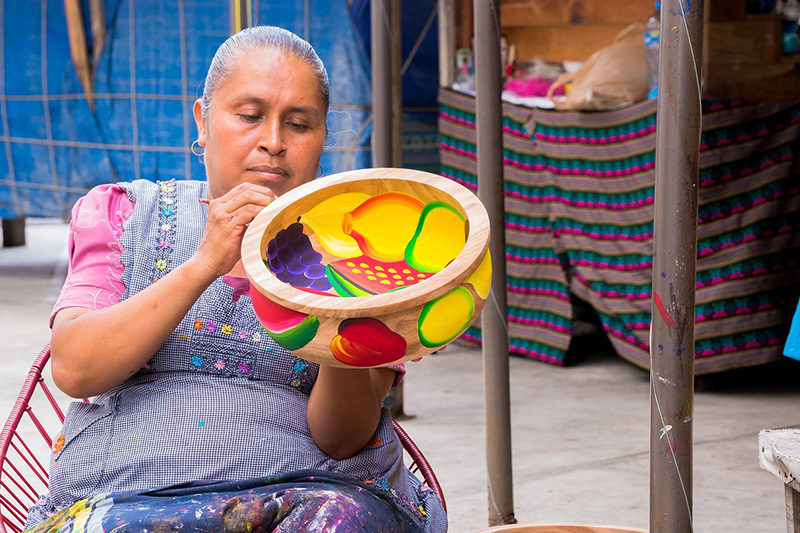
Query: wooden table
{"x":779,"y":454}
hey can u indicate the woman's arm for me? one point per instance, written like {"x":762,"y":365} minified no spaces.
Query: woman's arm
{"x":96,"y":350}
{"x":345,"y":407}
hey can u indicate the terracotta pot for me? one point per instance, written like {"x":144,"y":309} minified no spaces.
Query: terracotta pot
{"x":431,"y":304}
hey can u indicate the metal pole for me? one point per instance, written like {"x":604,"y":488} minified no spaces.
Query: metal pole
{"x":240,"y":15}
{"x":674,"y":266}
{"x":494,"y":323}
{"x":397,"y":83}
{"x":381,"y":47}
{"x":386,"y":112}
{"x":447,"y":43}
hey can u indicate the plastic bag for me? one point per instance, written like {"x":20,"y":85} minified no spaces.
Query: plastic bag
{"x":612,"y":77}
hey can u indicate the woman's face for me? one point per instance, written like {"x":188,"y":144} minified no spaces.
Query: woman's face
{"x":265,"y":124}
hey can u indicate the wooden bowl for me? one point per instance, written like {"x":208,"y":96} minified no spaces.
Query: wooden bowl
{"x":559,"y":528}
{"x":354,"y":224}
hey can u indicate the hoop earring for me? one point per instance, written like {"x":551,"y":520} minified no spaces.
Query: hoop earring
{"x":197,"y":151}
{"x":321,"y":172}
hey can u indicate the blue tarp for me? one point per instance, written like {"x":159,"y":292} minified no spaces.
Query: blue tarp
{"x":146,"y":77}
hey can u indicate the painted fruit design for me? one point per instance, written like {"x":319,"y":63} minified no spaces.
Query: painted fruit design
{"x":481,"y":277}
{"x":364,"y":276}
{"x":367,"y":342}
{"x":369,"y":245}
{"x":291,"y":329}
{"x":444,"y":318}
{"x":325,"y":220}
{"x":293,"y":260}
{"x":383,"y":225}
{"x":373,"y":244}
{"x":439,"y":238}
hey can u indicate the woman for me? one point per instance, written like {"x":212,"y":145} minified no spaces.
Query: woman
{"x":155,"y":323}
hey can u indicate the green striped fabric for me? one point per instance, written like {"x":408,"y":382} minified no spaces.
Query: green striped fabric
{"x":579,"y":222}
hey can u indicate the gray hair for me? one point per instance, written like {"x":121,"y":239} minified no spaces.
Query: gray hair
{"x":262,"y":37}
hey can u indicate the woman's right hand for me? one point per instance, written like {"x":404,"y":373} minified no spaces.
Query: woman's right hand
{"x":228,"y":217}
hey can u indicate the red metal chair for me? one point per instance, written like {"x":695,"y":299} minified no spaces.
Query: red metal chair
{"x":419,"y":463}
{"x":26,"y":438}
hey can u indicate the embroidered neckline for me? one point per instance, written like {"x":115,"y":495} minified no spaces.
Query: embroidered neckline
{"x":165,"y":236}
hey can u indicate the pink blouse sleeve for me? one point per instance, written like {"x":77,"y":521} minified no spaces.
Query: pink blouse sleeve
{"x":94,"y":277}
{"x":400,"y":369}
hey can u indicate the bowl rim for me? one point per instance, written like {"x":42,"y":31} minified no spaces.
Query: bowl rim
{"x":269,"y":285}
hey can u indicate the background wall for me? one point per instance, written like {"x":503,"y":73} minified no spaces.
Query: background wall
{"x":56,"y":143}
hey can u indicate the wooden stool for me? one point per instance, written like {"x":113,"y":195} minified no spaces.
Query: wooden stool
{"x":779,"y":454}
{"x":13,"y":232}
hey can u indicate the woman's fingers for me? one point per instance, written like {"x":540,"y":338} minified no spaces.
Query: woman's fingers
{"x":239,"y":206}
{"x":228,"y":217}
{"x":242,"y":216}
{"x":244,"y":194}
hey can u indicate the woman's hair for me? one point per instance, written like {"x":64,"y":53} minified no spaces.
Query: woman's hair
{"x":262,"y":37}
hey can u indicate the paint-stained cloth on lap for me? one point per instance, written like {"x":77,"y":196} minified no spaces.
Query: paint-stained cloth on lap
{"x":299,"y":502}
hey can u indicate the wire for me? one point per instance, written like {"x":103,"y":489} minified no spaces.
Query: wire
{"x":385,"y":16}
{"x":495,"y":17}
{"x":696,"y":70}
{"x":500,"y":313}
{"x":665,"y":431}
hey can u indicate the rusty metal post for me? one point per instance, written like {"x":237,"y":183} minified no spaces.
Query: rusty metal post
{"x":674,"y":266}
{"x":494,"y":322}
{"x":381,"y":48}
{"x":395,"y":19}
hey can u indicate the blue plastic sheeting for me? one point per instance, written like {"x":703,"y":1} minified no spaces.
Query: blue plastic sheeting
{"x":420,"y":84}
{"x":419,"y":35}
{"x":148,"y":74}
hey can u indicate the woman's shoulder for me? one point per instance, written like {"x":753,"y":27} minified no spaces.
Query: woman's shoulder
{"x":107,"y":201}
{"x":105,"y":190}
{"x":154,"y":189}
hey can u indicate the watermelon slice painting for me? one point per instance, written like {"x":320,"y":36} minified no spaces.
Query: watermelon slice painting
{"x":364,"y":276}
{"x":290,"y":329}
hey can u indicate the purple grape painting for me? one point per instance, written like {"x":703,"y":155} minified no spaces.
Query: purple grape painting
{"x":293,"y":260}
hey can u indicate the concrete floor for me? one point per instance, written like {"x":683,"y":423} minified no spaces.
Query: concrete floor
{"x":580,"y":434}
